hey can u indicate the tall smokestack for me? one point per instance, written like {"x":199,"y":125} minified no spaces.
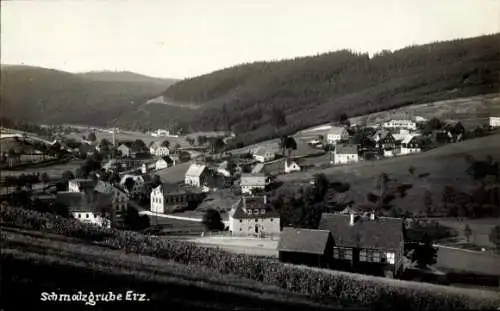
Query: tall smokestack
{"x":351,"y":222}
{"x":114,"y":137}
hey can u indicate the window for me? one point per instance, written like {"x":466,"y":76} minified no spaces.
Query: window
{"x":256,"y":211}
{"x":241,"y":222}
{"x":262,"y":211}
{"x":256,"y":219}
{"x":271,"y":219}
{"x":87,"y":215}
{"x":363,"y":255}
{"x":391,"y":258}
{"x":250,"y":212}
{"x":240,"y":229}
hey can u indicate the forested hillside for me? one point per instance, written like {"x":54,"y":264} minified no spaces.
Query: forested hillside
{"x":125,"y":76}
{"x":252,"y":98}
{"x":49,"y":96}
{"x":262,"y":99}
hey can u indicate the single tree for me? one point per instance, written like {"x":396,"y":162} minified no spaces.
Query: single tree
{"x":495,"y":237}
{"x":129,"y":184}
{"x":190,"y":140}
{"x":156,"y":181}
{"x":467,"y":232}
{"x":424,"y":254}
{"x":212,"y":220}
{"x":291,"y":145}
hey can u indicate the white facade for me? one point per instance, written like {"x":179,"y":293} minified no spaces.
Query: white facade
{"x":159,"y":151}
{"x":253,"y":226}
{"x":92,"y":218}
{"x":406,"y":124}
{"x":264,"y":156}
{"x":388,"y":153}
{"x":405,"y":150}
{"x":161,"y":164}
{"x":160,"y":132}
{"x":156,"y":200}
{"x":336,"y":134}
{"x":124,"y":150}
{"x":409,"y":145}
{"x":494,"y":121}
{"x":342,"y":158}
{"x":291,"y":167}
{"x":194,"y":175}
{"x":79,"y":185}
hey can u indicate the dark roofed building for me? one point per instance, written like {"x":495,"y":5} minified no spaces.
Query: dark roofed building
{"x":306,"y":246}
{"x":254,"y":216}
{"x":366,"y":240}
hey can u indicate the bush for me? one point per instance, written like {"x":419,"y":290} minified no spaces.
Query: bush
{"x":325,"y":285}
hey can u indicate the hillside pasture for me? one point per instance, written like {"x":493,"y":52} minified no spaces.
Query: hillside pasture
{"x":481,"y":229}
{"x":446,"y":166}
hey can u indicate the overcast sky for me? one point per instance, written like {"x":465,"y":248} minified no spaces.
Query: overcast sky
{"x":185,"y":38}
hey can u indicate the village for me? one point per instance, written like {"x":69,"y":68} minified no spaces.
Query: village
{"x":164,"y":189}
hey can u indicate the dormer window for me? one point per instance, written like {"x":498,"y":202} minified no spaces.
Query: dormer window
{"x":262,"y":211}
{"x":256,"y":211}
{"x":249,"y":212}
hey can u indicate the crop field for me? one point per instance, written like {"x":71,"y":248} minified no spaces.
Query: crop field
{"x":66,"y":267}
{"x":325,"y":286}
{"x":446,"y":166}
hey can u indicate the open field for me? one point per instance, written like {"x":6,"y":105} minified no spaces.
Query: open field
{"x":54,"y":171}
{"x":448,"y":258}
{"x":481,"y":229}
{"x":446,"y":165}
{"x":65,"y":266}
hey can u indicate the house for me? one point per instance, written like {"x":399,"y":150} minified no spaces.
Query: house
{"x":306,"y":247}
{"x":336,"y":134}
{"x":92,"y":209}
{"x":253,"y":216}
{"x":160,"y":132}
{"x":405,"y":124}
{"x":141,"y":182}
{"x":163,"y":162}
{"x":120,"y":198}
{"x":125,"y":150}
{"x":81,"y":185}
{"x":385,"y":142}
{"x":346,"y":154}
{"x":291,"y":166}
{"x":494,"y":121}
{"x":222,"y":169}
{"x":366,"y":243}
{"x":156,"y":149}
{"x":196,"y":175}
{"x":263,"y":155}
{"x":410,"y":144}
{"x":250,"y":182}
{"x":87,"y":149}
{"x":168,"y":198}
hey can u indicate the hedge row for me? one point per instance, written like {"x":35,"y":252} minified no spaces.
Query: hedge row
{"x":323,"y":285}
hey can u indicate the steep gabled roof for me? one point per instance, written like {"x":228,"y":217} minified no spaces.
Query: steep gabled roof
{"x":195,"y":170}
{"x":307,"y":241}
{"x":381,"y":233}
{"x":381,"y":134}
{"x":408,"y":138}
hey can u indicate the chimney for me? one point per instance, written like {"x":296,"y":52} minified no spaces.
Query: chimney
{"x":351,"y":222}
{"x":265,"y":199}
{"x":372,"y":215}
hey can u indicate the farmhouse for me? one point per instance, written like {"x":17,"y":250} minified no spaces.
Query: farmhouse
{"x":410,"y":144}
{"x":92,"y":209}
{"x":120,"y":198}
{"x":366,"y":242}
{"x":385,"y":142}
{"x":346,"y":154}
{"x":336,"y":134}
{"x":141,"y":182}
{"x":168,"y":198}
{"x":252,"y":216}
{"x":164,"y":162}
{"x":156,"y":148}
{"x":81,"y":185}
{"x":125,"y":150}
{"x":196,"y":175}
{"x":250,"y":182}
{"x":263,"y":155}
{"x":306,"y":247}
{"x":405,"y":124}
{"x":291,"y":166}
{"x":494,"y":121}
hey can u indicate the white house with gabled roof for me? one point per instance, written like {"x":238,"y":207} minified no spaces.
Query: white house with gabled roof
{"x":336,"y":134}
{"x":263,"y":155}
{"x":196,"y":175}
